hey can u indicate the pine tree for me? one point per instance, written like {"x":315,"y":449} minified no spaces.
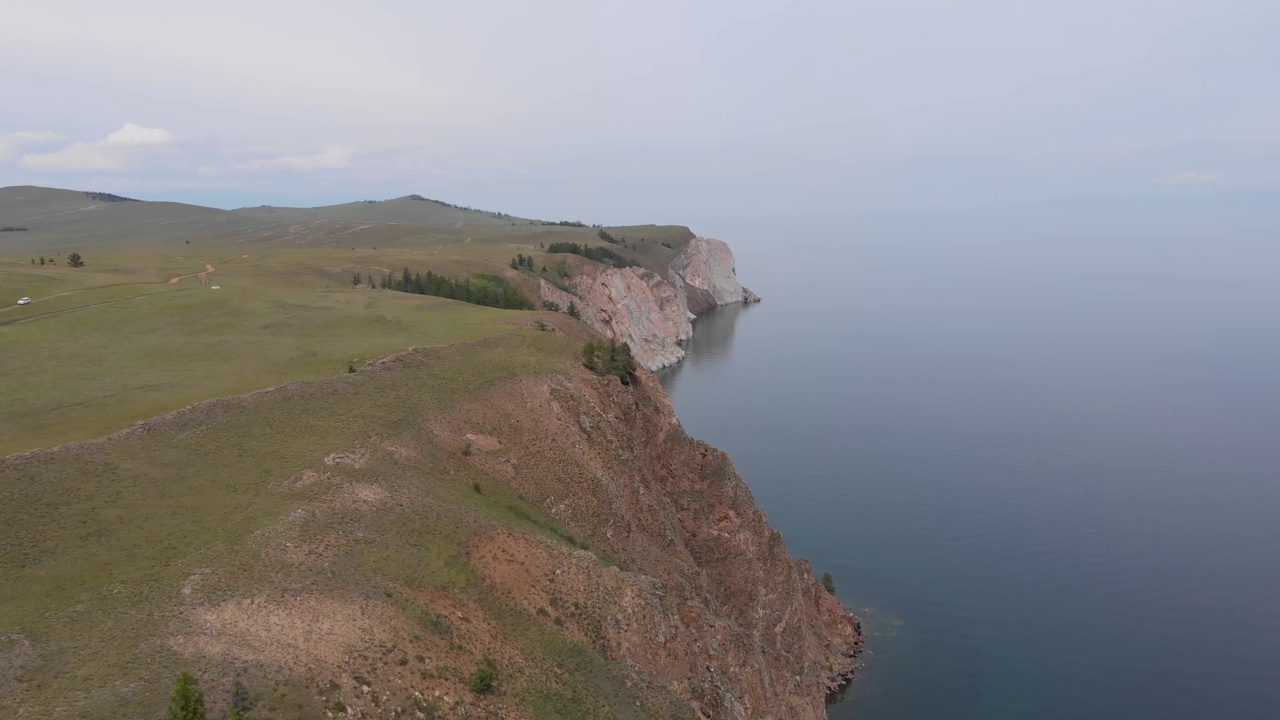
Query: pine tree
{"x":355,"y":280}
{"x":74,"y":260}
{"x":187,"y":702}
{"x":573,"y":310}
{"x":41,"y":260}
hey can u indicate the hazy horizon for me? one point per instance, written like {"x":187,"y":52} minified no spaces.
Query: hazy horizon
{"x":621,"y":113}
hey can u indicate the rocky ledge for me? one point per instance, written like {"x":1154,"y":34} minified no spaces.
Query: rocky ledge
{"x":652,"y":311}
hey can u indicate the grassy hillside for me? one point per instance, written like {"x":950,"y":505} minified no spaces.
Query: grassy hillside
{"x":112,"y":549}
{"x":318,"y":527}
{"x":139,"y":330}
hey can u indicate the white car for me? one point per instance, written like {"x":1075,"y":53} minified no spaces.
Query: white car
{"x":24,"y":301}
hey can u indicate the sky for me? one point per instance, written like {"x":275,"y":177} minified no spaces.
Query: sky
{"x":635,"y":112}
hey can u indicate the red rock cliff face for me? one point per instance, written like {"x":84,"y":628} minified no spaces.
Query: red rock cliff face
{"x":707,"y":600}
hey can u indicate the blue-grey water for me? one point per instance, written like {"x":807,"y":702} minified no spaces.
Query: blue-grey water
{"x":1039,"y":453}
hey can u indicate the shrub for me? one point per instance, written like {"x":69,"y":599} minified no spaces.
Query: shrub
{"x":240,"y":700}
{"x":829,"y":583}
{"x":483,"y":678}
{"x":609,"y":357}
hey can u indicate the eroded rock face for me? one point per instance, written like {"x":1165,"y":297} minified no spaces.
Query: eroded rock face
{"x":632,"y":305}
{"x":706,"y":600}
{"x":651,"y":312}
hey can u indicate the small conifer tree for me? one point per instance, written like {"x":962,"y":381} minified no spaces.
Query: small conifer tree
{"x":187,"y":702}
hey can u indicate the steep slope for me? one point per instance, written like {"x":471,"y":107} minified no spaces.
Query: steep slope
{"x":363,"y":544}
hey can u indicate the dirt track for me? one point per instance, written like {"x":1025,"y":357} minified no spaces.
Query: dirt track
{"x":204,"y":276}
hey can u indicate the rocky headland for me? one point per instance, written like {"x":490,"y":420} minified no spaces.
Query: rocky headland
{"x":652,"y":310}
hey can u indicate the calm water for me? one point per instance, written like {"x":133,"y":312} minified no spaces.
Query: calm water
{"x":1040,"y":455}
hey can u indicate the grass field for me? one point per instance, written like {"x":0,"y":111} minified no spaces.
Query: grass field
{"x":139,"y":331}
{"x":105,"y":545}
{"x":98,"y":539}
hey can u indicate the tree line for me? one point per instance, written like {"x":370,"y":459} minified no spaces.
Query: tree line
{"x":74,"y":260}
{"x":483,"y":289}
{"x":523,"y":261}
{"x":599,"y":254}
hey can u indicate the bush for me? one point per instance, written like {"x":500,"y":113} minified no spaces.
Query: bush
{"x":609,"y":357}
{"x":483,"y":678}
{"x":829,"y":583}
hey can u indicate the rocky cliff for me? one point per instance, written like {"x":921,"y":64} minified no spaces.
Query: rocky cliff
{"x":652,"y":311}
{"x":710,"y":275}
{"x":633,"y":305}
{"x":703,"y":596}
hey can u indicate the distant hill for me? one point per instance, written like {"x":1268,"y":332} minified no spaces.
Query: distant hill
{"x":57,"y":219}
{"x":408,"y":210}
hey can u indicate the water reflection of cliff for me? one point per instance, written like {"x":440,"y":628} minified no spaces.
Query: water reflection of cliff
{"x":711,"y":342}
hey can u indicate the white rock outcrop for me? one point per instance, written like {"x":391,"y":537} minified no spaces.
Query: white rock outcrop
{"x":710,"y":274}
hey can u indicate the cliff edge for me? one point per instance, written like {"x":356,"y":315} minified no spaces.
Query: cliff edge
{"x":651,"y":310}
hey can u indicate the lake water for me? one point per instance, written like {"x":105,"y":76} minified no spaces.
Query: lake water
{"x":1040,"y":454}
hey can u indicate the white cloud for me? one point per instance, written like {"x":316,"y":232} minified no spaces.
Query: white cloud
{"x":114,"y":152}
{"x":1189,"y":178}
{"x":80,"y":156}
{"x":13,"y":143}
{"x":130,"y":134}
{"x":333,"y":157}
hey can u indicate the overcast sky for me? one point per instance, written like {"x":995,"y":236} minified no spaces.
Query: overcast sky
{"x":631,"y":111}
